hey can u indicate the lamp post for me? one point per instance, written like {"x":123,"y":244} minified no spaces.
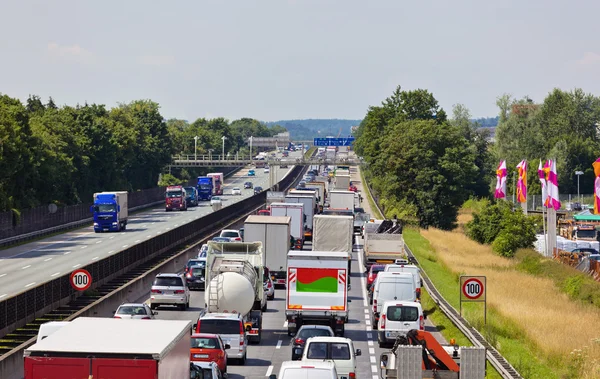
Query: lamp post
{"x":250,"y":148}
{"x":223,"y":156}
{"x":196,"y":147}
{"x":578,"y":173}
{"x":210,"y":154}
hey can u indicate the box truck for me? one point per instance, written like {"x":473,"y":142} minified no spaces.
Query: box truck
{"x":296,"y":213}
{"x":341,"y":199}
{"x":309,"y":202}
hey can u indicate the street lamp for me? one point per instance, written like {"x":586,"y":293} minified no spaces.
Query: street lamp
{"x":210,"y":153}
{"x":223,"y":138}
{"x":578,"y":173}
{"x":196,"y":147}
{"x":250,"y":147}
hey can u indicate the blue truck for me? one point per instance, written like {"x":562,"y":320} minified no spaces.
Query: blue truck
{"x":191,"y":194}
{"x":110,"y":211}
{"x":205,"y":188}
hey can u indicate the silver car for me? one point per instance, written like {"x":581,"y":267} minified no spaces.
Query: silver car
{"x":269,"y":288}
{"x":170,"y":289}
{"x":137,"y":311}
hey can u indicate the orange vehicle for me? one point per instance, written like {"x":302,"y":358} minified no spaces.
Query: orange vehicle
{"x":209,"y":348}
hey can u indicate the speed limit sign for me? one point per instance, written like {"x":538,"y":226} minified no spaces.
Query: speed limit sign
{"x":473,"y":289}
{"x":81,"y":280}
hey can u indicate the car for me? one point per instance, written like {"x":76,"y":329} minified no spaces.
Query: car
{"x":257,"y":190}
{"x":302,"y":184}
{"x":230,"y":327}
{"x":585,"y":250}
{"x":397,"y":318}
{"x":215,"y":200}
{"x":248,"y":185}
{"x":193,"y":262}
{"x":196,"y":276}
{"x":269,"y":287}
{"x":373,"y":271}
{"x":221,"y":239}
{"x":338,"y":349}
{"x":251,"y":173}
{"x":205,"y":370}
{"x":304,"y":333}
{"x":236,"y":191}
{"x":233,"y":234}
{"x":170,"y":289}
{"x":137,"y":311}
{"x":203,"y":250}
{"x":208,"y":347}
{"x":264,"y":212}
{"x":315,"y":370}
{"x":267,"y":170}
{"x":594,"y":257}
{"x":284,"y":165}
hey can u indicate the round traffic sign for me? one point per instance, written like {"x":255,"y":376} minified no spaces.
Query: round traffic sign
{"x":472,"y":288}
{"x":81,"y":280}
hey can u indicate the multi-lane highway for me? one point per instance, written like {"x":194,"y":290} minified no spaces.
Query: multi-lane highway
{"x":26,"y":266}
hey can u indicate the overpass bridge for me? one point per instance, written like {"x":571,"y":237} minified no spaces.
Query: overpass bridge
{"x":240,"y":161}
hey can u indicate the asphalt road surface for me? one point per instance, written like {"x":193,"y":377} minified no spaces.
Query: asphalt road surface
{"x":29,"y":265}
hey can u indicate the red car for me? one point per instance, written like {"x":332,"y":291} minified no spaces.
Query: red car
{"x":209,"y":348}
{"x":353,"y":188}
{"x":375,"y":269}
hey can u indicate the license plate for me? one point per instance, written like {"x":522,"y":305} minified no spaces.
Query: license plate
{"x":167,"y":292}
{"x":291,"y":324}
{"x":298,"y":351}
{"x":391,"y":334}
{"x":202,"y":355}
{"x":281,"y":281}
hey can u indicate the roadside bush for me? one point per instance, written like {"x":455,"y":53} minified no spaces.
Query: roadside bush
{"x":505,"y":228}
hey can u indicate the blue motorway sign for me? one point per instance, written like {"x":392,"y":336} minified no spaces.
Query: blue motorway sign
{"x":343,"y":141}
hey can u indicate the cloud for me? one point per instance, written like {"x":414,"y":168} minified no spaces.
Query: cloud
{"x":157,"y":60}
{"x":589,"y":58}
{"x":74,"y":52}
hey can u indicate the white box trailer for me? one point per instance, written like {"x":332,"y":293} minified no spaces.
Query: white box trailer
{"x":320,"y":188}
{"x":317,"y":290}
{"x":274,"y":233}
{"x":342,"y":181}
{"x":275,"y":197}
{"x":296,"y":212}
{"x":309,"y":202}
{"x":340,"y":199}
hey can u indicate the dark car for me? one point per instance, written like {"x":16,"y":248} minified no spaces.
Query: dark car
{"x":304,"y":333}
{"x":193,"y":262}
{"x":196,"y":276}
{"x":248,"y":185}
{"x":585,"y":250}
{"x":257,"y":190}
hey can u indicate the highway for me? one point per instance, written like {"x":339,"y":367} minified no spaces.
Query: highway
{"x":26,"y":266}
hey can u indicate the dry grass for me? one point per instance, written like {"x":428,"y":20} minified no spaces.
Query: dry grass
{"x":556,"y":324}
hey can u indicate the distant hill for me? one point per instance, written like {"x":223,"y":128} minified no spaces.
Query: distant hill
{"x":308,"y":129}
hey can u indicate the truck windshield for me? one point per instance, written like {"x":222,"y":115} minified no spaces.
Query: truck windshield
{"x":204,"y":186}
{"x":173,"y":193}
{"x":105,"y":208}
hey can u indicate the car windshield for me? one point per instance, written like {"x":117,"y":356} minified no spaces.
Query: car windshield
{"x":377,"y":269}
{"x":220,"y":326}
{"x":202,"y":254}
{"x":216,"y":198}
{"x":230,"y":234}
{"x":173,"y":193}
{"x":586,"y":234}
{"x":132,"y":310}
{"x":205,"y":343}
{"x":167,"y":281}
{"x":236,"y":189}
{"x":105,"y":208}
{"x":194,"y":262}
{"x":314,"y":332}
{"x":399,"y":313}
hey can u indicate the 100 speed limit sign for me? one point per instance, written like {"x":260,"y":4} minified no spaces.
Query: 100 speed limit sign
{"x":81,"y":280}
{"x":472,"y":288}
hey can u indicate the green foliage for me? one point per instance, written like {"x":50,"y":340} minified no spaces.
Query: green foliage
{"x":505,"y":228}
{"x":475,"y":205}
{"x":168,"y":180}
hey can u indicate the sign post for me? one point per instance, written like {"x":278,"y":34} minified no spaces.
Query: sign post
{"x":473,"y":290}
{"x":80,"y":279}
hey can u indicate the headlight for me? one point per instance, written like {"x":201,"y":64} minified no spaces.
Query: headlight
{"x":114,"y":224}
{"x":95,"y":224}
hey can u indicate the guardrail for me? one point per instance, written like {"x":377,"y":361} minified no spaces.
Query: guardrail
{"x":500,"y":363}
{"x":18,"y":310}
{"x":76,"y":224}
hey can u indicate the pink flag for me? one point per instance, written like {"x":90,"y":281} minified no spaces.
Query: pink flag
{"x":552,"y":201}
{"x":522,"y":182}
{"x":500,"y":192}
{"x":542,"y":176}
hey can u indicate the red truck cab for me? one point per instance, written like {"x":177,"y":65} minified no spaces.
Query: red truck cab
{"x":175,"y":199}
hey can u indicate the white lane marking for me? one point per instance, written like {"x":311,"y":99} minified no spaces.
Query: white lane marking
{"x":176,"y":224}
{"x":370,"y":343}
{"x":368,"y":322}
{"x":152,"y":223}
{"x":285,"y":324}
{"x":110,"y":252}
{"x":83,"y":247}
{"x":278,"y":344}
{"x":366,"y":310}
{"x":41,"y":248}
{"x":2,"y":275}
{"x":125,"y":246}
{"x":24,"y":267}
{"x":373,"y":359}
{"x":367,"y":316}
{"x":372,"y":350}
{"x":1,"y":296}
{"x":67,"y":253}
{"x":373,"y":368}
{"x":362,"y":276}
{"x":29,"y":285}
{"x":94,"y":258}
{"x":375,"y":377}
{"x":370,"y":336}
{"x":77,"y":265}
{"x":111,"y":237}
{"x":98,"y":241}
{"x":47,"y":259}
{"x":56,"y":273}
{"x":269,"y":371}
{"x":122,"y":233}
{"x":143,"y":226}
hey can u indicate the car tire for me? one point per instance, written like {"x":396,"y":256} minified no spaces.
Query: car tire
{"x":243,"y":360}
{"x":271,"y":297}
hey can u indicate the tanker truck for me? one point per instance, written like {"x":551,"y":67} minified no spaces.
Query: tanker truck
{"x":234,"y":283}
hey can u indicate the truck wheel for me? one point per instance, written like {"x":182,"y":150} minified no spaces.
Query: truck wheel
{"x":243,"y":360}
{"x":124,"y":227}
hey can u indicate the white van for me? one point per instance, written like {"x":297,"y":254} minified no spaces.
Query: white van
{"x":340,"y":350}
{"x":230,"y":327}
{"x":48,"y":328}
{"x":408,"y":268}
{"x":301,"y":370}
{"x":392,"y":286}
{"x":397,"y":318}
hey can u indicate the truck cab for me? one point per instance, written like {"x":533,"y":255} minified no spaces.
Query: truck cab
{"x":110,"y":211}
{"x":175,"y":199}
{"x":191,"y":196}
{"x":205,"y":188}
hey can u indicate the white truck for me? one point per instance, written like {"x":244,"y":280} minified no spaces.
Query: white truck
{"x":110,"y":210}
{"x":110,"y":348}
{"x":274,"y":233}
{"x":296,"y":212}
{"x":320,"y":188}
{"x":383,"y":242}
{"x":317,"y":290}
{"x":342,"y":181}
{"x":334,"y":233}
{"x":309,"y":202}
{"x":330,"y":153}
{"x":234,"y":282}
{"x":275,"y":197}
{"x":341,"y":199}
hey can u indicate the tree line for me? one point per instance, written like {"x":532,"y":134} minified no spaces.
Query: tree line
{"x":63,"y":154}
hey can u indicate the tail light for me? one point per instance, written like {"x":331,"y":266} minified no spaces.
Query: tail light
{"x":370,"y":279}
{"x":178,"y":292}
{"x":352,"y":375}
{"x":156,"y":291}
{"x":198,"y":326}
{"x":383,"y":322}
{"x":374,"y":305}
{"x":421,"y":322}
{"x":418,"y":293}
{"x":117,"y":317}
{"x":269,"y":284}
{"x":298,"y":341}
{"x":237,"y":239}
{"x":188,"y":275}
{"x":145,"y":318}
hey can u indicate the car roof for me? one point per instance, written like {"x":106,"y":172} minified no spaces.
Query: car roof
{"x":132,"y":305}
{"x":329,"y":339}
{"x":315,"y":327}
{"x":230,"y":230}
{"x":205,"y":335}
{"x":161,"y":275}
{"x":300,"y":364}
{"x":404,"y":303}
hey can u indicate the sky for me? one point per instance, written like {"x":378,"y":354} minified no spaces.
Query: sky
{"x":291,"y":59}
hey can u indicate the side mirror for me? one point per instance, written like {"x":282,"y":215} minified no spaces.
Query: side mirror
{"x":227,"y":346}
{"x":248,"y":328}
{"x":358,"y":353}
{"x":349,"y":300}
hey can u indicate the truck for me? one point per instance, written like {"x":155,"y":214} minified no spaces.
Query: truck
{"x":205,"y":188}
{"x":90,"y":347}
{"x":317,"y":292}
{"x":383,"y":242}
{"x":309,"y":202}
{"x":218,"y":182}
{"x":175,"y":199}
{"x":296,"y":213}
{"x":342,"y":181}
{"x":341,"y":199}
{"x":110,"y":211}
{"x":275,"y":197}
{"x":330,"y":153}
{"x":274,"y":233}
{"x":234,"y":282}
{"x":322,"y":193}
{"x":334,"y":233}
{"x":191,"y":196}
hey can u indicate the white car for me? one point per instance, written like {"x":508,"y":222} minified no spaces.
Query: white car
{"x":232,"y":234}
{"x":266,"y":170}
{"x":236,"y":191}
{"x":215,"y":200}
{"x":316,"y":370}
{"x":397,"y":318}
{"x":138,"y":311}
{"x":337,"y":349}
{"x":170,"y":289}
